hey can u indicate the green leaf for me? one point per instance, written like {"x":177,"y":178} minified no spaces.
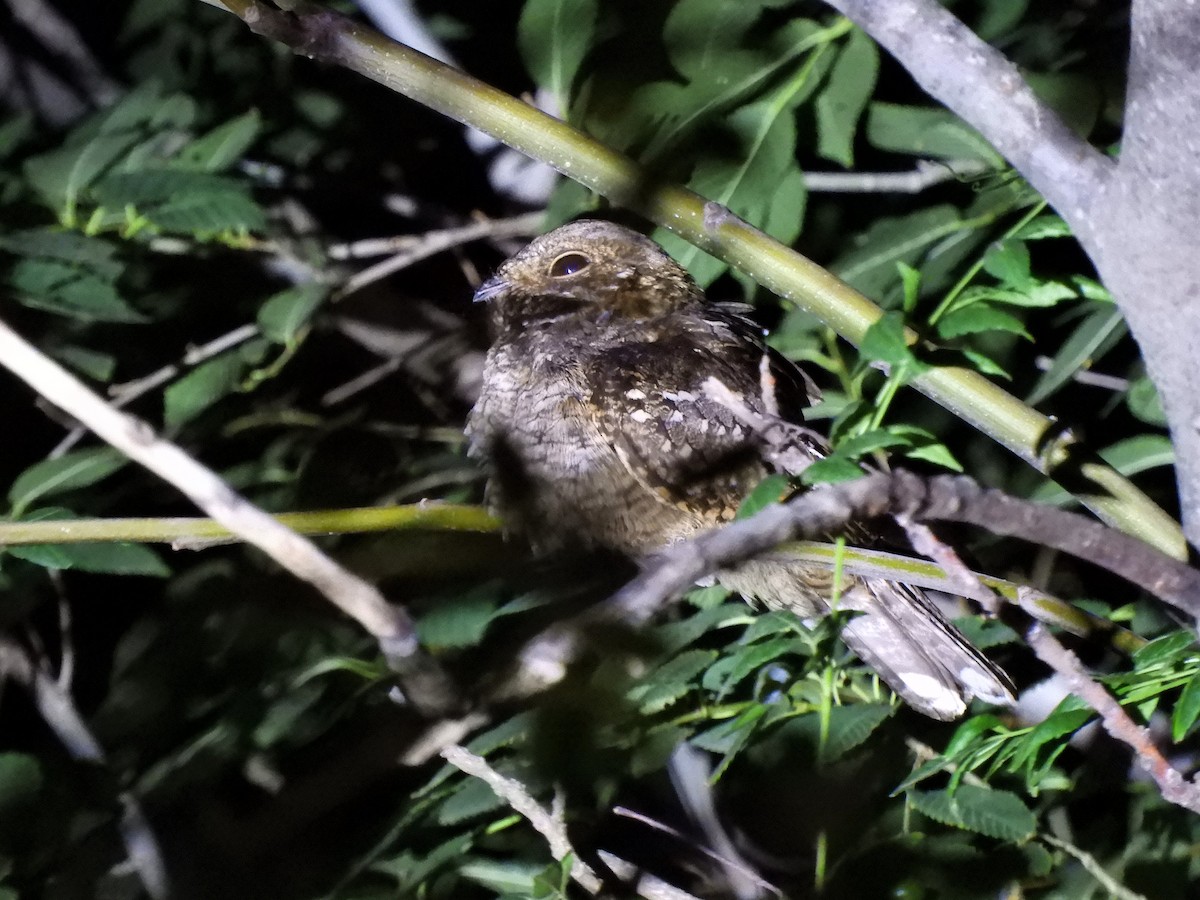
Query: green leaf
{"x":746,"y":185}
{"x":61,"y":175}
{"x":850,"y":726}
{"x":91,"y":253}
{"x":201,"y":388}
{"x":870,"y":263}
{"x":979,"y":317}
{"x":87,"y":362}
{"x":228,"y":211}
{"x":860,"y":445}
{"x":885,"y":341}
{"x":101,"y":558}
{"x":997,"y":814}
{"x":926,"y":132}
{"x":473,"y":799}
{"x":68,"y":290}
{"x":831,"y":470}
{"x":554,"y":36}
{"x":1187,"y":710}
{"x":841,"y":103}
{"x":772,"y":489}
{"x":1008,"y":262}
{"x":1144,"y":402}
{"x":50,"y":477}
{"x":1040,"y":294}
{"x":223,"y":146}
{"x":1139,"y":453}
{"x":748,"y":660}
{"x":922,"y":444}
{"x":283,"y":315}
{"x":1092,"y":338}
{"x":1046,"y":226}
{"x":460,"y":621}
{"x":670,"y":681}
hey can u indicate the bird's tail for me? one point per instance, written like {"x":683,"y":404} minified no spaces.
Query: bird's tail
{"x":899,"y":632}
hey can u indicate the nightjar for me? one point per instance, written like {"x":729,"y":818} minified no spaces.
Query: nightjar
{"x":598,"y":421}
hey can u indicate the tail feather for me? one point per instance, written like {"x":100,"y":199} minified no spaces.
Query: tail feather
{"x":900,"y":633}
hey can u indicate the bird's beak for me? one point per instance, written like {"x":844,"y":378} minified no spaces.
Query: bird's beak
{"x":493,"y":287}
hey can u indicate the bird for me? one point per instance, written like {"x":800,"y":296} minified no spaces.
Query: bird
{"x":604,"y":420}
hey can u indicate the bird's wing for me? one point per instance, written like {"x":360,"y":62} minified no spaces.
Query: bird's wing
{"x":652,"y":401}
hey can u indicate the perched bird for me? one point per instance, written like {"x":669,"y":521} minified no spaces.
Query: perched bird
{"x":605,"y":420}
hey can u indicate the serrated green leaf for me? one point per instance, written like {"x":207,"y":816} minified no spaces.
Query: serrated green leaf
{"x":554,"y":36}
{"x":73,"y":470}
{"x":1187,"y":710}
{"x":283,"y":315}
{"x":1008,"y":262}
{"x":926,"y":132}
{"x":223,"y":146}
{"x":230,"y":211}
{"x":840,"y":105}
{"x":997,"y":814}
{"x":201,"y":388}
{"x":94,"y":254}
{"x":850,"y":726}
{"x":748,"y":660}
{"x":979,"y":317}
{"x":61,"y":175}
{"x":1092,"y":338}
{"x":670,"y":681}
{"x":67,"y":290}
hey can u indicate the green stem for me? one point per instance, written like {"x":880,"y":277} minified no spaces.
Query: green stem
{"x":419,"y":516}
{"x":715,"y":230}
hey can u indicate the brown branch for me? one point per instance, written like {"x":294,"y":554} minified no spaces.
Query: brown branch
{"x":1171,"y":783}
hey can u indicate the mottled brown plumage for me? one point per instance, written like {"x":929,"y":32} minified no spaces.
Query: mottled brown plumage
{"x":598,"y":427}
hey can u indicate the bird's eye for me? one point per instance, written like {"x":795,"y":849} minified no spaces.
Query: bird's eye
{"x":568,"y":264}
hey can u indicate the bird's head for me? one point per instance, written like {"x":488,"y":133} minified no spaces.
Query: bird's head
{"x":589,"y":271}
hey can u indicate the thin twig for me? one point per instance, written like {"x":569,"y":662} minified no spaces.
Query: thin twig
{"x":124,"y":394}
{"x":390,"y":625}
{"x":926,"y":175}
{"x":544,"y":822}
{"x":436,"y":242}
{"x":1171,"y":783}
{"x":1093,"y":867}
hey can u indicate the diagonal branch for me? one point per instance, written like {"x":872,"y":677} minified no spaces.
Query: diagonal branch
{"x":330,"y":37}
{"x":389,"y":624}
{"x":986,"y":90}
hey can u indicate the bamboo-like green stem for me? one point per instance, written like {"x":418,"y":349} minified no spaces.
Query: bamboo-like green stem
{"x":416,"y":517}
{"x":711,"y":227}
